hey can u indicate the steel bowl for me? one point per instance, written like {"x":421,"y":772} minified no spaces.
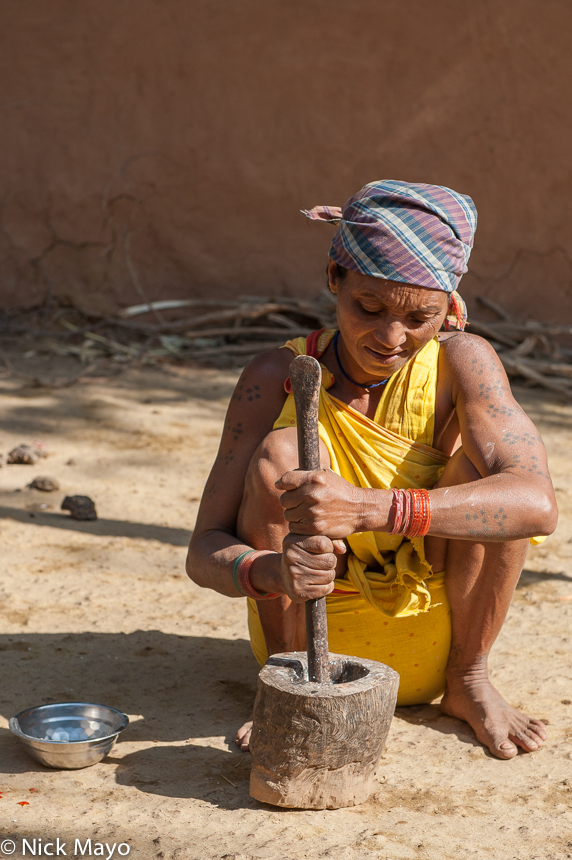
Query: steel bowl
{"x":99,"y":725}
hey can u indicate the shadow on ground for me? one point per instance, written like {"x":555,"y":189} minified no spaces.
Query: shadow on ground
{"x":531,"y":577}
{"x":99,"y":527}
{"x":176,"y":689}
{"x":150,"y":386}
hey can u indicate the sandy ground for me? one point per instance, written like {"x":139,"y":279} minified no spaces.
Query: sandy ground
{"x":103,"y":612}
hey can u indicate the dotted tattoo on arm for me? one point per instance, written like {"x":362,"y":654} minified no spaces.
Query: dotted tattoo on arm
{"x":532,"y":466}
{"x":253,"y":393}
{"x":211,"y":490}
{"x":234,"y":430}
{"x":494,"y":391}
{"x":483,"y":529}
{"x":488,"y":392}
{"x":530,"y":439}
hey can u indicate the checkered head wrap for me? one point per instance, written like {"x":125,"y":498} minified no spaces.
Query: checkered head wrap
{"x":409,"y":232}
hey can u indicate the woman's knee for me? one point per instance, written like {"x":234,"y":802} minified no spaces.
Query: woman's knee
{"x":260,"y":509}
{"x":276,"y":455}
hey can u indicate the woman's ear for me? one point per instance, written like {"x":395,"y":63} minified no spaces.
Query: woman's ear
{"x":332,"y":284}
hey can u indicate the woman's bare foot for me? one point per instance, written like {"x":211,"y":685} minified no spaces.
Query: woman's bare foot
{"x":497,"y":725}
{"x":242,"y":738}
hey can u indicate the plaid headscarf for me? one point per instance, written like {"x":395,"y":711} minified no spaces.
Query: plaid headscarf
{"x":409,"y":232}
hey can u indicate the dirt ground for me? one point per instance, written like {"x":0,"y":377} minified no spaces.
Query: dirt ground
{"x":103,"y":611}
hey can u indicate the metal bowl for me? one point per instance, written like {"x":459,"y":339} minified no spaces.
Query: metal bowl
{"x":84,"y":733}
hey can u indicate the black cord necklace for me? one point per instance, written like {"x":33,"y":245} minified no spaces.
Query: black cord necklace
{"x":347,"y":376}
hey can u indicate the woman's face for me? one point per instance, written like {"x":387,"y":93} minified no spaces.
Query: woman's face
{"x":382,"y":323}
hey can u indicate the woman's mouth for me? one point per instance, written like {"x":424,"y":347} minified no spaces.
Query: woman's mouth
{"x":385,"y":357}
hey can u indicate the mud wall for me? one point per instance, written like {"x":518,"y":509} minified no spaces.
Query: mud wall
{"x":163,"y":148}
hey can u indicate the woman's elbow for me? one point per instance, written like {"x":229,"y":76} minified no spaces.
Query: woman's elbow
{"x":546,"y":515}
{"x":193,"y":566}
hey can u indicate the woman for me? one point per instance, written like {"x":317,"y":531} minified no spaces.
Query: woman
{"x":432,"y":478}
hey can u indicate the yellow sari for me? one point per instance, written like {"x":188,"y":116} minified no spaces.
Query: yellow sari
{"x":390,"y":607}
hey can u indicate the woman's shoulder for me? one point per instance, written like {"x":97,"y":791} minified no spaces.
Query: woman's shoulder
{"x":458,"y":347}
{"x":270,"y":368}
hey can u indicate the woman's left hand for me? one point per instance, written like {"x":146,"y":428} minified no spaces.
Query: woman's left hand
{"x":323,"y":503}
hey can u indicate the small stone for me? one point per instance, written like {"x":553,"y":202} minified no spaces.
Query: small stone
{"x":45,"y":484}
{"x":25,"y":455}
{"x":80,"y":507}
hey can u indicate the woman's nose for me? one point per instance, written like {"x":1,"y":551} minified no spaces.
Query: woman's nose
{"x":391,"y":335}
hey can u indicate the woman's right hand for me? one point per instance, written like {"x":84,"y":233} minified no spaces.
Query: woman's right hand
{"x":308,"y":566}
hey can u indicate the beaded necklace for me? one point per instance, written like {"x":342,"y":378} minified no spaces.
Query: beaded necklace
{"x":347,"y":376}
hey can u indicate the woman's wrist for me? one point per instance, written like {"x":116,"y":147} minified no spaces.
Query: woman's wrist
{"x":264,"y":573}
{"x":375,"y":510}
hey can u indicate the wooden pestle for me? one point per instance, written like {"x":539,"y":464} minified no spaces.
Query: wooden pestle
{"x":306,"y":379}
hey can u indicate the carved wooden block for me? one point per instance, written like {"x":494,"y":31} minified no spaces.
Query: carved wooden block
{"x":317,"y":746}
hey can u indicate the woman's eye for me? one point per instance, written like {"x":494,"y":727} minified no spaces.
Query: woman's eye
{"x":369,"y":311}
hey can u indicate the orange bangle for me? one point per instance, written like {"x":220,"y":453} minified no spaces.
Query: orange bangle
{"x":412,"y":512}
{"x":421,"y":513}
{"x":242,"y":575}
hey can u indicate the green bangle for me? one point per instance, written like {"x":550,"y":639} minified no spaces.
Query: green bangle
{"x":235,"y":567}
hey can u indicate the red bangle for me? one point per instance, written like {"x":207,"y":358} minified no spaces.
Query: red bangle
{"x":242,"y":575}
{"x":412,"y":512}
{"x":421,"y":513}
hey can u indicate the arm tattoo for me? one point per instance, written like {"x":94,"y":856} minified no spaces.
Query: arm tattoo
{"x":235,"y":430}
{"x":521,"y":462}
{"x":497,"y":387}
{"x":251,"y":394}
{"x":529,"y":439}
{"x":485,"y":528}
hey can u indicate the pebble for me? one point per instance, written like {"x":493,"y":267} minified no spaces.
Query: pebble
{"x":80,"y":507}
{"x":47,"y":485}
{"x":26,"y":455}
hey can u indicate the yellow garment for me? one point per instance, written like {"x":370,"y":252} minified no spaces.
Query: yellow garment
{"x":389,"y":571}
{"x":390,"y":607}
{"x":415,"y":646}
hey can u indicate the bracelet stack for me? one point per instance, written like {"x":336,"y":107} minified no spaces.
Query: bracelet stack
{"x":411,"y":513}
{"x":240,"y":574}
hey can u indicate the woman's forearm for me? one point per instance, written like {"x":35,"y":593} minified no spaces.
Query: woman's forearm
{"x":211,"y":558}
{"x":497,"y":508}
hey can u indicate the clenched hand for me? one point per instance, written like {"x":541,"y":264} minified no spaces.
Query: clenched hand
{"x":323,"y":503}
{"x":307,"y":568}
